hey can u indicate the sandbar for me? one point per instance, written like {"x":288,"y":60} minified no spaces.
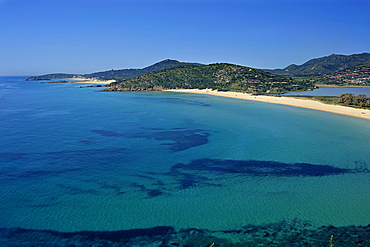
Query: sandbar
{"x":91,"y":81}
{"x":303,"y":103}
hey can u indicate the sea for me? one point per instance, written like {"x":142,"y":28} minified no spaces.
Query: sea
{"x":74,"y":158}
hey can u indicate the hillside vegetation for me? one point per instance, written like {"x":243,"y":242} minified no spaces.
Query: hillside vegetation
{"x":342,"y":70}
{"x":323,"y":65}
{"x":115,"y":74}
{"x":219,"y":76}
{"x":358,"y":75}
{"x":130,"y":73}
{"x":53,"y":76}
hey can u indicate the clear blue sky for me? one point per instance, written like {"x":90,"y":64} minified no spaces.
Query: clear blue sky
{"x":83,"y":36}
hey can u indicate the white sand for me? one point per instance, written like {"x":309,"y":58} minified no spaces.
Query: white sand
{"x":304,"y":103}
{"x":91,"y":81}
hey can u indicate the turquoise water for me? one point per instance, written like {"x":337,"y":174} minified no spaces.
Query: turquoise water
{"x":77,"y":159}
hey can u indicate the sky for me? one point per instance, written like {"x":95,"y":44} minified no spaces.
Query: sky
{"x":83,"y":36}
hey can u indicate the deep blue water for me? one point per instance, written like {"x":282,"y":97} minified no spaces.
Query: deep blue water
{"x":74,"y":159}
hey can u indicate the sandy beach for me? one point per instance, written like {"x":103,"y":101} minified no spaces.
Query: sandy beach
{"x":304,"y":103}
{"x":91,"y":81}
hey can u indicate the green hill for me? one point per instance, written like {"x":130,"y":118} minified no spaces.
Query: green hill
{"x":323,"y":65}
{"x":53,"y":76}
{"x":130,"y":73}
{"x":122,"y":73}
{"x":219,"y":76}
{"x":358,"y":75}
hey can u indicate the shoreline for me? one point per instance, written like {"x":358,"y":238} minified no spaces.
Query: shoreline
{"x":302,"y":103}
{"x":90,"y":81}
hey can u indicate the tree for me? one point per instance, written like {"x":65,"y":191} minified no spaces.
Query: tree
{"x":357,"y":100}
{"x":346,"y":98}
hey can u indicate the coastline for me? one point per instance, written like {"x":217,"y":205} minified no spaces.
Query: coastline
{"x":91,"y":81}
{"x":303,"y":103}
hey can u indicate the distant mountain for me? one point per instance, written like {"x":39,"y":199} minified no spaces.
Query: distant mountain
{"x":130,"y":73}
{"x":323,"y":65}
{"x":53,"y":76}
{"x":122,"y":73}
{"x":358,"y":75}
{"x":219,"y":76}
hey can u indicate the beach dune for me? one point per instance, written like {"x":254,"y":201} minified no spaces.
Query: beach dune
{"x":304,"y":103}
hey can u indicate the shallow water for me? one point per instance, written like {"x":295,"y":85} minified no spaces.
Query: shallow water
{"x":76,"y":159}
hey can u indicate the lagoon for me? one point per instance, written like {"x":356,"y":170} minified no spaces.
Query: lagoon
{"x":334,"y":91}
